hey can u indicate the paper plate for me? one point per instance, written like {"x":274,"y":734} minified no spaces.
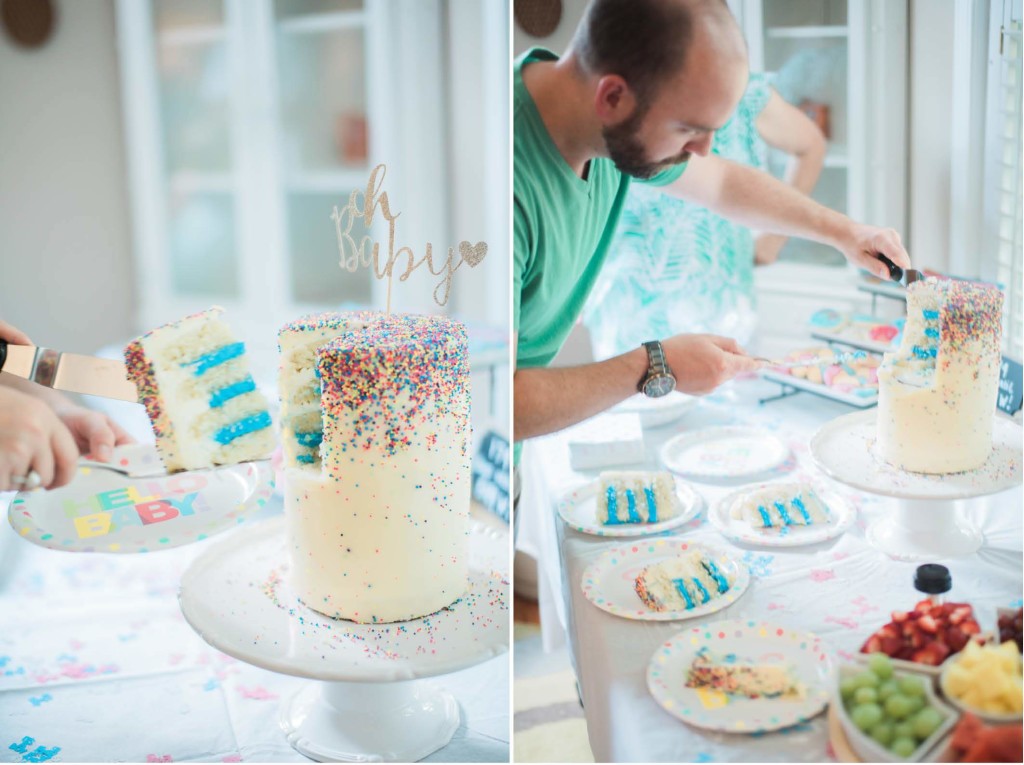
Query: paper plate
{"x":745,"y":641}
{"x":655,"y":412}
{"x":724,"y":452}
{"x":609,"y":582}
{"x":841,"y":516}
{"x":106,"y":511}
{"x":579,"y":511}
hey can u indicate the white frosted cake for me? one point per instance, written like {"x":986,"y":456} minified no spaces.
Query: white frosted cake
{"x":377,"y":512}
{"x":636,"y":496}
{"x":193,"y":378}
{"x":937,"y":391}
{"x":681,"y":583}
{"x":779,"y":506}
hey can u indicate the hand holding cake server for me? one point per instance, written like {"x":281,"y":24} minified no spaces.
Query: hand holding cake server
{"x":638,"y":96}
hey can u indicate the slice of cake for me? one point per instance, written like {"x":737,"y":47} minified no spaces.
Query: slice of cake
{"x":637,"y":496}
{"x":682,"y":583}
{"x":937,"y":391}
{"x":779,"y":506}
{"x":193,"y":377}
{"x":377,"y":514}
{"x":753,"y":681}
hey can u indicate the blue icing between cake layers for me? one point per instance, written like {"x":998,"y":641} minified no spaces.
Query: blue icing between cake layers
{"x":310,"y":438}
{"x":220,"y":397}
{"x":932,"y":332}
{"x":229,"y":433}
{"x":652,"y":505}
{"x":925,"y":353}
{"x":930,"y":315}
{"x":305,"y":458}
{"x":720,"y":580}
{"x":681,"y":589}
{"x":705,"y":596}
{"x":634,"y":516}
{"x":209,"y":360}
{"x":798,"y":503}
{"x":766,"y":519}
{"x":612,"y":506}
{"x":784,"y":513}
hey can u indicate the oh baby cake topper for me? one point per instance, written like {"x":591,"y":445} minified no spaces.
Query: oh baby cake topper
{"x":367,"y":253}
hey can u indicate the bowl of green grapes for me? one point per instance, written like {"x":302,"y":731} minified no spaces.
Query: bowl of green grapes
{"x":890,"y":715}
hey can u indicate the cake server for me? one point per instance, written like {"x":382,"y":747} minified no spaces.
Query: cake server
{"x":906,"y":277}
{"x":70,"y":372}
{"x":838,"y":358}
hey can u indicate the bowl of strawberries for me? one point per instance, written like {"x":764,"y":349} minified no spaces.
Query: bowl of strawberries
{"x":926,"y":636}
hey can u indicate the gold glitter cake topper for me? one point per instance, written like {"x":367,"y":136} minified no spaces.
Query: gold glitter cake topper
{"x":353,"y":255}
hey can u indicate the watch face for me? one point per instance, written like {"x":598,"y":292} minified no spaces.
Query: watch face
{"x":659,"y":385}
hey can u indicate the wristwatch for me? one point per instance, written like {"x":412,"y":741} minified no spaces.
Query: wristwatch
{"x":658,"y":381}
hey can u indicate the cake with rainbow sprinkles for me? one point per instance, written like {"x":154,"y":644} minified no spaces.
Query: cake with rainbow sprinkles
{"x":937,"y":391}
{"x":375,"y":426}
{"x":193,"y":378}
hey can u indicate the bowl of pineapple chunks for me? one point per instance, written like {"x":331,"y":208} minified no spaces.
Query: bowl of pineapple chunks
{"x":986,"y":680}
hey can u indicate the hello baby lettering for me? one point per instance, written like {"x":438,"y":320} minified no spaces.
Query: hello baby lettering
{"x":142,"y":504}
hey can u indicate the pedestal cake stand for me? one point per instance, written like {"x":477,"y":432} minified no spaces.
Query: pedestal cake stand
{"x":370,"y":704}
{"x":927,"y":522}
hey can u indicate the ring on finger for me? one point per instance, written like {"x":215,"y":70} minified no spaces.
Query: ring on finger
{"x":29,"y":481}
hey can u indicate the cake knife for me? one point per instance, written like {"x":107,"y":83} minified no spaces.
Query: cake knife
{"x":70,"y":372}
{"x":906,"y":276}
{"x":838,"y":358}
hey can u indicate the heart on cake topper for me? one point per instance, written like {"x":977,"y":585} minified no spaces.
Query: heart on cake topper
{"x":473,"y":253}
{"x":366,"y":252}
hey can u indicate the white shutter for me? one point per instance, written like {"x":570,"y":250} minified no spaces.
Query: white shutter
{"x":1004,"y":251}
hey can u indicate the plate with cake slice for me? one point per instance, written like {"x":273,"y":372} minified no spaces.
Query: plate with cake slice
{"x":741,"y":676}
{"x":786,"y":514}
{"x":664,"y":579}
{"x":630,"y":503}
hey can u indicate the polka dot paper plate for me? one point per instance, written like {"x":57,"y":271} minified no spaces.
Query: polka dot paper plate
{"x":579,"y":510}
{"x":102,"y":510}
{"x":802,"y":655}
{"x":841,"y":516}
{"x":724,"y":453}
{"x":609,"y":582}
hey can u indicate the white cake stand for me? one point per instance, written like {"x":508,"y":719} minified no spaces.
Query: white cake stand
{"x":927,"y":523}
{"x":371,"y":704}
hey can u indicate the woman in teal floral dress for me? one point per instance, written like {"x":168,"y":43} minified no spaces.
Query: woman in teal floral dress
{"x":675,"y":267}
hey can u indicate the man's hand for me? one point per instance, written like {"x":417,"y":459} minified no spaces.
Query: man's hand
{"x":32,"y":437}
{"x":863,"y":243}
{"x":95,"y":434}
{"x":701,"y":363}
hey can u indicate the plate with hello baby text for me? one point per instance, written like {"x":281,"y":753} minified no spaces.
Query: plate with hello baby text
{"x":724,"y":452}
{"x":102,"y":510}
{"x":579,"y":510}
{"x":794,"y":665}
{"x":610,"y":581}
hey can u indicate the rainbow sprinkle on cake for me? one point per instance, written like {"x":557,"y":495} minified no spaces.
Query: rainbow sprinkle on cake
{"x":194,"y":380}
{"x":376,"y":423}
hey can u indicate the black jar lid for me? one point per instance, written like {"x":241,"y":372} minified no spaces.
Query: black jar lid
{"x":933,"y":579}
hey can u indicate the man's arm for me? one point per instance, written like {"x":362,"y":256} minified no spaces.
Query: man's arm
{"x":548,"y":399}
{"x":761,"y":202}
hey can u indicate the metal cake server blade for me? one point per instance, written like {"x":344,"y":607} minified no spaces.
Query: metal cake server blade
{"x":70,"y":372}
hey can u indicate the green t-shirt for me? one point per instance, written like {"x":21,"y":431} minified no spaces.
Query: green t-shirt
{"x":562,"y":227}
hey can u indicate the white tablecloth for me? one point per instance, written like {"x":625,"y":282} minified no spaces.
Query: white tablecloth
{"x":842,"y":590}
{"x":97,"y":661}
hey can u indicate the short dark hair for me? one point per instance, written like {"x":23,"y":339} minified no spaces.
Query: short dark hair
{"x":642,"y":41}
